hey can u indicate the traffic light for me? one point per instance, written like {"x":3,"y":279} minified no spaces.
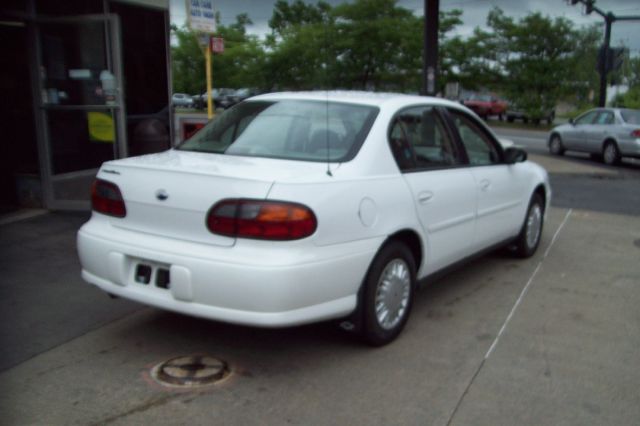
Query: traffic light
{"x":615,"y":58}
{"x":588,"y":6}
{"x":610,"y":59}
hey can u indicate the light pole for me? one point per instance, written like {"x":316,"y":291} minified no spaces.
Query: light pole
{"x":605,"y":50}
{"x":430,"y":55}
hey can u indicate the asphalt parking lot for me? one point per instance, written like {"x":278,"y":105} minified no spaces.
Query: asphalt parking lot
{"x":554,"y":339}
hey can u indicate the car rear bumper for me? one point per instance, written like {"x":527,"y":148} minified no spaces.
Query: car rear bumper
{"x":267,"y":287}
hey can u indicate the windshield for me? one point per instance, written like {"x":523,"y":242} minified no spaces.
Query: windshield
{"x":631,"y":116}
{"x":287,"y":129}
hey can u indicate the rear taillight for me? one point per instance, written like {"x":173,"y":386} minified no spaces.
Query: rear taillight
{"x":107,"y":199}
{"x":260,"y":219}
{"x":635,"y":133}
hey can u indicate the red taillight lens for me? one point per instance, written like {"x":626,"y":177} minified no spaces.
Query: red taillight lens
{"x":635,"y":133}
{"x":107,"y":199}
{"x":259,"y":219}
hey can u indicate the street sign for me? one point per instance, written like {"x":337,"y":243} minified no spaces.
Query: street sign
{"x":200,"y":15}
{"x":216,"y":44}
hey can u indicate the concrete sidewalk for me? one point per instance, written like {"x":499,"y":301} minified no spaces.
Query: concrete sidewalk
{"x":43,"y":300}
{"x":568,"y":355}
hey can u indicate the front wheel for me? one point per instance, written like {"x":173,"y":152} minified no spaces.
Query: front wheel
{"x":555,"y":145}
{"x":528,"y":240}
{"x":388,"y":294}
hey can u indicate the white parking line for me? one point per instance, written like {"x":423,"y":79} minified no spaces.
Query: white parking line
{"x":526,"y":287}
{"x":506,"y":321}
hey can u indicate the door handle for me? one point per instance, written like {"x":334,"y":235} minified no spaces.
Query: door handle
{"x":425,"y":197}
{"x":485,"y":184}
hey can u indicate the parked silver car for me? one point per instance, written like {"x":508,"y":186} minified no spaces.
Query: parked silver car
{"x":182,"y":100}
{"x":606,"y":133}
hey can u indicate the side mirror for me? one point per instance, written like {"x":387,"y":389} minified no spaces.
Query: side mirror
{"x":571,"y":121}
{"x":514,"y":155}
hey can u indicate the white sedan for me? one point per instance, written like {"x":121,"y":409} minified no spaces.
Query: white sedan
{"x":293,"y":208}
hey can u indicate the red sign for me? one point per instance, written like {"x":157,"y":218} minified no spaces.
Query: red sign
{"x":216,"y":44}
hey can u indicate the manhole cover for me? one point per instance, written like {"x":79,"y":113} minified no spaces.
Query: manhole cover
{"x":190,"y":371}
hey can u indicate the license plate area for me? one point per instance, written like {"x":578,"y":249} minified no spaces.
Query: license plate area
{"x":151,"y":274}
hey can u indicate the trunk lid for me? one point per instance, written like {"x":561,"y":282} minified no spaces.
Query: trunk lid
{"x":170,"y":193}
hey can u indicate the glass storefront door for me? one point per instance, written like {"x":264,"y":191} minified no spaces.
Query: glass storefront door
{"x":81,"y":104}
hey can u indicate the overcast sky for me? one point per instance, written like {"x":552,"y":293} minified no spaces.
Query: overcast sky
{"x":474,"y":14}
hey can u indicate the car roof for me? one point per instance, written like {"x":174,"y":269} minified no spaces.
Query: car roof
{"x":358,"y":97}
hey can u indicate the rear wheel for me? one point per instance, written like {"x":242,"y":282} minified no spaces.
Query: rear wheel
{"x":529,"y":238}
{"x":388,"y":294}
{"x":555,"y":145}
{"x":610,"y":153}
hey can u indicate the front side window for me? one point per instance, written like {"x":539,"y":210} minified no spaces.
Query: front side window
{"x":419,"y":140}
{"x":287,"y":129}
{"x":480,"y":148}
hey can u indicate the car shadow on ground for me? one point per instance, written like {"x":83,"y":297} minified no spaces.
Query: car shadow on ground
{"x":435,"y":299}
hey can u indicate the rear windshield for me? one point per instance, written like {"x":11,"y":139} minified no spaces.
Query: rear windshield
{"x":288,"y":129}
{"x":631,"y":116}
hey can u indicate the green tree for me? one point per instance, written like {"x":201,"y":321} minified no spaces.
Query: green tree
{"x":535,"y":57}
{"x":239,"y":66}
{"x":188,"y":70}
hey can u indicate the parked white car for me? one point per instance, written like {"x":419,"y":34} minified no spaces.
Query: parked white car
{"x":292,"y":208}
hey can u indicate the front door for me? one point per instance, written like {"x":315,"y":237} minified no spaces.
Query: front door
{"x":501,"y":188}
{"x":81,"y":114}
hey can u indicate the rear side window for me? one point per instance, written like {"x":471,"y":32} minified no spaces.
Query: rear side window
{"x":288,"y":129}
{"x":605,"y":117}
{"x":419,"y":140}
{"x":631,"y":116}
{"x":481,"y":150}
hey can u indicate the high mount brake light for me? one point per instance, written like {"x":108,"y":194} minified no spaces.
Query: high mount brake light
{"x":261,"y":219}
{"x":106,"y":198}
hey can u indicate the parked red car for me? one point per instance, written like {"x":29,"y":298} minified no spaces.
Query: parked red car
{"x":486,"y":105}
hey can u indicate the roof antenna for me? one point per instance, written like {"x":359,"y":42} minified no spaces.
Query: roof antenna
{"x":327,"y":135}
{"x":326,"y":91}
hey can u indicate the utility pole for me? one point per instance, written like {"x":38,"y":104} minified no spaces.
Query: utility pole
{"x":605,"y":50}
{"x":430,"y":55}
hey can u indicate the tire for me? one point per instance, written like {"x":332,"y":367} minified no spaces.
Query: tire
{"x":388,"y":294}
{"x":610,"y":153}
{"x":528,"y":240}
{"x":555,"y":145}
{"x":510,"y":118}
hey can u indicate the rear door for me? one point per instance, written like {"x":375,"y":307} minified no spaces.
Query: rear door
{"x":443,"y":189}
{"x":600,"y":129}
{"x":501,"y":188}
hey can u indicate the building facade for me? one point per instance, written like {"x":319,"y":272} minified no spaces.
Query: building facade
{"x":81,"y":82}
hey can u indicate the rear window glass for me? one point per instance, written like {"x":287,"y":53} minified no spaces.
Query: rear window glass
{"x":631,"y":116}
{"x":288,"y":129}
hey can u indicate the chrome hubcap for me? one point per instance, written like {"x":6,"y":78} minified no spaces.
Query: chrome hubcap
{"x":555,"y":145}
{"x":392,"y":294}
{"x":534,"y":224}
